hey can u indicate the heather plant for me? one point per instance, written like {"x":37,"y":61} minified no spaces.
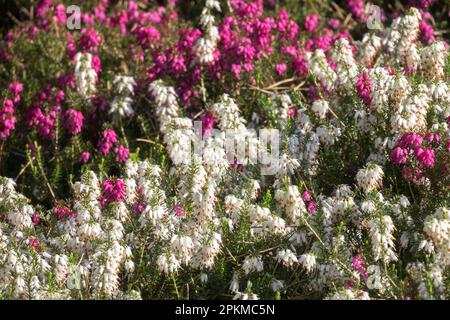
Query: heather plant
{"x":225,"y":150}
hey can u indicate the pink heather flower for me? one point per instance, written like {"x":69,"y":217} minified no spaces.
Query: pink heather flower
{"x":89,"y":40}
{"x":7,"y":119}
{"x":178,"y":65}
{"x":87,"y":19}
{"x":292,"y":112}
{"x":96,"y":64}
{"x":46,"y":123}
{"x":236,"y":165}
{"x":448,"y":145}
{"x":248,"y":67}
{"x":236,"y":69}
{"x":32,"y":148}
{"x":359,"y":265}
{"x":122,"y":154}
{"x":322,"y":42}
{"x":409,"y":174}
{"x":421,"y":4}
{"x":311,"y":22}
{"x":109,"y":138}
{"x":60,"y":14}
{"x":42,"y":8}
{"x":288,"y":28}
{"x":99,"y":12}
{"x":350,"y":284}
{"x":35,"y":218}
{"x":363,"y":88}
{"x":33,"y":242}
{"x":113,"y":191}
{"x":426,"y":157}
{"x":311,"y":207}
{"x":84,"y":158}
{"x":139,"y":207}
{"x":63,"y":212}
{"x":312,"y":91}
{"x":433,"y":137}
{"x":71,"y":47}
{"x":427,"y":32}
{"x":356,"y":7}
{"x":281,"y":68}
{"x":147,"y":36}
{"x":179,"y":212}
{"x":73,"y":121}
{"x":411,"y":141}
{"x":418,"y":151}
{"x":398,"y":155}
{"x":289,"y":50}
{"x":16,"y":88}
{"x":300,"y":66}
{"x":334,"y":23}
{"x":207,"y":123}
{"x":306,"y":196}
{"x":245,"y":8}
{"x":59,"y":96}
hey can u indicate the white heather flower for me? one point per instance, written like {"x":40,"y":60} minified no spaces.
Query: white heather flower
{"x":374,"y":281}
{"x":320,"y":68}
{"x":369,"y":47}
{"x":320,"y":108}
{"x":121,"y":105}
{"x":370,"y":178}
{"x":412,"y":57}
{"x":213,"y":4}
{"x":433,"y":59}
{"x":233,"y":206}
{"x":401,"y":35}
{"x":381,"y":233}
{"x":228,"y":113}
{"x":411,"y":114}
{"x":61,"y":268}
{"x":277,"y":285}
{"x":167,"y":263}
{"x":182,"y":246}
{"x":252,"y":264}
{"x":14,"y":205}
{"x":283,"y":103}
{"x":287,"y":258}
{"x":437,"y":226}
{"x":380,"y":86}
{"x":308,"y":261}
{"x":440,"y":92}
{"x":349,"y":294}
{"x":85,"y":75}
{"x":346,"y":67}
{"x":206,"y":45}
{"x":165,"y":99}
{"x":368,"y":206}
{"x":203,"y":277}
{"x":286,"y":166}
{"x":234,"y":285}
{"x":291,"y":201}
{"x":399,"y":89}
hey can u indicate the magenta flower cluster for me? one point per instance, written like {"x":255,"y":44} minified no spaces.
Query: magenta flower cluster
{"x":414,"y":148}
{"x":7,"y":118}
{"x":108,"y":141}
{"x":114,"y":190}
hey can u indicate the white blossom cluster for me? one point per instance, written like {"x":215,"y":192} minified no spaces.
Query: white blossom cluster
{"x":206,"y":45}
{"x":121,"y":105}
{"x":85,"y":75}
